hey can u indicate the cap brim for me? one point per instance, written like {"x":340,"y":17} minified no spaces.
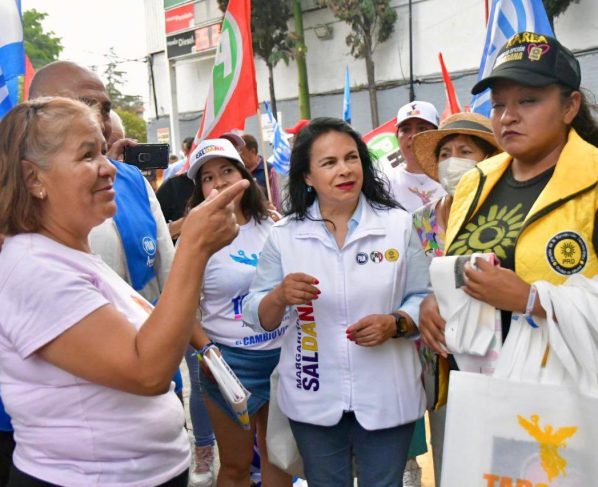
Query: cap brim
{"x":411,"y":117}
{"x":518,"y":75}
{"x":425,"y":143}
{"x":194,"y":169}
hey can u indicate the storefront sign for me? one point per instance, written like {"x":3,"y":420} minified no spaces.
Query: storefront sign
{"x":180,"y":18}
{"x":193,"y":41}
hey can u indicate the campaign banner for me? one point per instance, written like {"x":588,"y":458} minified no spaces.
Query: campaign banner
{"x":384,"y":146}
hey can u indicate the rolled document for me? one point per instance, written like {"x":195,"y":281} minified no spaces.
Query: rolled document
{"x":230,"y":386}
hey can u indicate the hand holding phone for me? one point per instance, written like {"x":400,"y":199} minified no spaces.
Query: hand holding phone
{"x":147,"y":156}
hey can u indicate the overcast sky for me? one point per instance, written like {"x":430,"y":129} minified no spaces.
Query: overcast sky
{"x":89,"y":28}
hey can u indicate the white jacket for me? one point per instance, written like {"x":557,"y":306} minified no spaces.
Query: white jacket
{"x":322,"y":373}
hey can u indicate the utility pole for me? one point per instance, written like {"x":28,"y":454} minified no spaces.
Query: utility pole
{"x":304,"y":108}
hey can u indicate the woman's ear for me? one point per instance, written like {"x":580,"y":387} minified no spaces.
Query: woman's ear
{"x":307,"y":179}
{"x":31,"y":176}
{"x":572,"y":107}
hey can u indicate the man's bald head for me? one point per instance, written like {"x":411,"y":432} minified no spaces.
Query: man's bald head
{"x":64,"y":78}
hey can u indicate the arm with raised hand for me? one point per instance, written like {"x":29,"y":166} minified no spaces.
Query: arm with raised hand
{"x":105,"y":348}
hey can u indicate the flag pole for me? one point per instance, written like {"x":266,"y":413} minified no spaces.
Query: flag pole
{"x":263,"y":150}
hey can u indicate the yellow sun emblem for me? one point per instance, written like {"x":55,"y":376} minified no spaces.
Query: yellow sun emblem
{"x":568,"y":249}
{"x":494,"y":232}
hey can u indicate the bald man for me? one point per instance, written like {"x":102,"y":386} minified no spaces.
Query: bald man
{"x":118,"y":129}
{"x":135,"y":243}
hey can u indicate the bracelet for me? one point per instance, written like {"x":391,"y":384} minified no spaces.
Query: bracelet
{"x":531,"y":301}
{"x":203,"y":350}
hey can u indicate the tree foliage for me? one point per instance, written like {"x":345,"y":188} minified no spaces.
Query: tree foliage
{"x":113,"y":80}
{"x":372,"y":22}
{"x":135,"y":126}
{"x":270,"y":34}
{"x":554,"y":8}
{"x":129,"y":107}
{"x":41,"y":47}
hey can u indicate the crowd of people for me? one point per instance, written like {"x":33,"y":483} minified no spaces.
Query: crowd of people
{"x":106,"y":286}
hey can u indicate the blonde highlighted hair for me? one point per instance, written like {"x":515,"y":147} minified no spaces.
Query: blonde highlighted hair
{"x":32,"y":131}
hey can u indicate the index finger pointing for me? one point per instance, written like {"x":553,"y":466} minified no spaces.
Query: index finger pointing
{"x":229,"y":194}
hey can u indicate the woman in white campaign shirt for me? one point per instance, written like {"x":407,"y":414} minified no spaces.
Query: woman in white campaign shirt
{"x":215,"y":165}
{"x":347,"y":267}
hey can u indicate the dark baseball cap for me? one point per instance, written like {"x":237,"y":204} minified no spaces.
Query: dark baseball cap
{"x":533,"y":60}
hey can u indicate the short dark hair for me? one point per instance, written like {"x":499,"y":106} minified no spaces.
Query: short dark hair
{"x":188,"y":142}
{"x":486,"y":147}
{"x":298,"y":200}
{"x":250,"y":142}
{"x":253,"y":203}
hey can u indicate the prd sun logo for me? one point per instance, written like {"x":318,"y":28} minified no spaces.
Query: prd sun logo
{"x":567,"y":253}
{"x":493,"y":232}
{"x":226,"y":71}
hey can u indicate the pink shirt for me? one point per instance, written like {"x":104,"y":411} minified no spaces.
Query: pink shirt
{"x":69,"y":431}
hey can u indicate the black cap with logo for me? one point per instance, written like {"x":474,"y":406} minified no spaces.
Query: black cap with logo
{"x":533,"y":60}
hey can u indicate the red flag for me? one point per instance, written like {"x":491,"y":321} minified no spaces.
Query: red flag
{"x":29,"y":73}
{"x":452,"y":102}
{"x":232,"y":96}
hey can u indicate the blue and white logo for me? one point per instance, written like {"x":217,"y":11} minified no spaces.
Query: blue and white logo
{"x":149,"y":246}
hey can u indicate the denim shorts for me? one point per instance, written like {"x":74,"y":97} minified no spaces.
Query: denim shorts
{"x":253,"y":368}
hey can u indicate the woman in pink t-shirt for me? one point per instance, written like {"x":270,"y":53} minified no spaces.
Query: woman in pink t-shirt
{"x":86,"y":362}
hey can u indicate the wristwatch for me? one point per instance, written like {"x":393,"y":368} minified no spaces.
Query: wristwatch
{"x":401,"y":324}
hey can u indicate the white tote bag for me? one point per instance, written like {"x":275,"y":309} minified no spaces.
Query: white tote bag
{"x":505,"y":433}
{"x":282,"y":448}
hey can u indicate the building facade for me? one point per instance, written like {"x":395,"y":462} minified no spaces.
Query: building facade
{"x":182,"y":36}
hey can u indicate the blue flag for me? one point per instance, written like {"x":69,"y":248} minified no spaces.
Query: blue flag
{"x":347,"y":98}
{"x":280,"y":146}
{"x":12,"y":54}
{"x":507,"y":18}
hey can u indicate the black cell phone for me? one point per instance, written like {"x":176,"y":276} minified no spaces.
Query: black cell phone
{"x":147,"y":156}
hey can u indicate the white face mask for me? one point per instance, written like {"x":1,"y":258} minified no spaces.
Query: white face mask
{"x":451,"y":170}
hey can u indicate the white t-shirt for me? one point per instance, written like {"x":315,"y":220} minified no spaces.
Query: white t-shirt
{"x":69,"y":431}
{"x":413,"y":190}
{"x":227,"y":279}
{"x":105,"y":241}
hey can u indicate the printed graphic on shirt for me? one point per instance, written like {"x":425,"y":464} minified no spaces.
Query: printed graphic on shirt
{"x":307,"y":373}
{"x":424,"y":195}
{"x":493,"y":232}
{"x":261,"y":337}
{"x":242,"y":258}
{"x":149,"y":247}
{"x":237,"y":303}
{"x":567,"y":253}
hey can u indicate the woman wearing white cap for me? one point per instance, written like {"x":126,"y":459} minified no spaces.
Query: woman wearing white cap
{"x":215,"y":165}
